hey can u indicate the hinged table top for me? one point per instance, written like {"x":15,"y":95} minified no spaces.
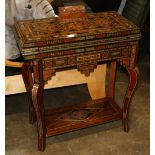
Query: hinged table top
{"x":49,"y":31}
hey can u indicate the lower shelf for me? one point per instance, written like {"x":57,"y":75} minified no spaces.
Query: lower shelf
{"x":77,"y":116}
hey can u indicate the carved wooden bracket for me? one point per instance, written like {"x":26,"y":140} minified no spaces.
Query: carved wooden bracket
{"x":87,"y":68}
{"x":48,"y":73}
{"x":124,"y":62}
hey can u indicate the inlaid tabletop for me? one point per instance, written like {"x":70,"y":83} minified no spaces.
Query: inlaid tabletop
{"x":54,"y":30}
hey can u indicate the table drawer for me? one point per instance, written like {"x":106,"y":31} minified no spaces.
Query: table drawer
{"x":87,"y":57}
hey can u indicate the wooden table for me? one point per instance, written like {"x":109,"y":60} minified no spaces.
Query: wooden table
{"x":81,"y":41}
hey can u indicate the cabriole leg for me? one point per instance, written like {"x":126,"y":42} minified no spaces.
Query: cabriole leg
{"x":134,"y":75}
{"x":28,"y":81}
{"x":37,"y":97}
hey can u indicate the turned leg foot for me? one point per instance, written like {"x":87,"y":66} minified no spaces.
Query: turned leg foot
{"x":133,"y":74}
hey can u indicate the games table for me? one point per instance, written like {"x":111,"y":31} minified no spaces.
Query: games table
{"x":82,"y":41}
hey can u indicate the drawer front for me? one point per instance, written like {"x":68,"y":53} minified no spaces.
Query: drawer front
{"x":87,"y":57}
{"x":86,"y":62}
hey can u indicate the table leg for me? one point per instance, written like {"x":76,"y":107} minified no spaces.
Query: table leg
{"x":134,"y":74}
{"x":37,"y":97}
{"x":28,"y":81}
